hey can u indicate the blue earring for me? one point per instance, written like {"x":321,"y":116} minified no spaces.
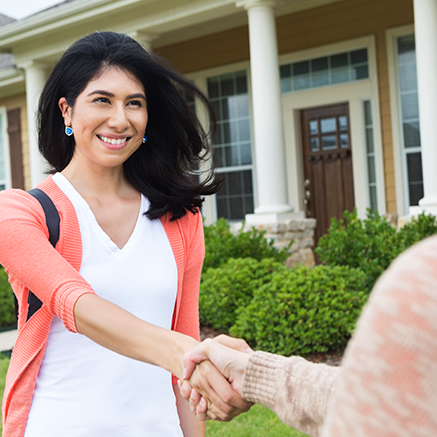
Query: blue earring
{"x":144,"y":139}
{"x":68,"y":131}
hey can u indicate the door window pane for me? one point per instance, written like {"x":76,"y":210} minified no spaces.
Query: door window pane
{"x":344,"y":141}
{"x":314,"y":144}
{"x":313,"y":127}
{"x":327,"y":125}
{"x":329,"y":142}
{"x":342,"y":122}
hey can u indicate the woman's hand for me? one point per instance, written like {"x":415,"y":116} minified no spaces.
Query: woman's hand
{"x":229,"y":356}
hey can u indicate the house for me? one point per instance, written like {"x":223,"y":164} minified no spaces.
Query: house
{"x":317,"y":100}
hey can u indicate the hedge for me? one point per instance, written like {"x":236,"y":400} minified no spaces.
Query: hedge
{"x":7,"y":307}
{"x":225,"y":289}
{"x":221,"y":245}
{"x":370,"y":244}
{"x":302,"y":310}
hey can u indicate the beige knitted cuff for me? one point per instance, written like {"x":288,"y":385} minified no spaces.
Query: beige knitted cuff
{"x":261,"y":378}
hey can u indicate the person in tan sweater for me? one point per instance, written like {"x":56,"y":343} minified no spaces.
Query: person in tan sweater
{"x":387,"y":384}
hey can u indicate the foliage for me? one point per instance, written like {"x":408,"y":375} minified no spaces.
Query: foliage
{"x":231,"y":286}
{"x":302,"y":310}
{"x":419,"y":228}
{"x":7,"y":307}
{"x":4,"y":364}
{"x":221,"y":244}
{"x":370,"y":244}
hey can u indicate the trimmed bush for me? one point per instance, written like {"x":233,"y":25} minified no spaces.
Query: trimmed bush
{"x":7,"y":307}
{"x":221,"y":244}
{"x":232,"y":286}
{"x":370,"y":244}
{"x":420,"y":227}
{"x":303,"y":310}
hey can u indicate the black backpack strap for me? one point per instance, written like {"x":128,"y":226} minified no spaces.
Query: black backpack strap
{"x":52,"y":221}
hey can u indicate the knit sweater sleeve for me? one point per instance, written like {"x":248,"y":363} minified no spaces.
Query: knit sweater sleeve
{"x":389,"y":382}
{"x":296,"y":390}
{"x":30,"y":259}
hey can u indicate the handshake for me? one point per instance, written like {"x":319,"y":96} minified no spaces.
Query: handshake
{"x":220,"y":384}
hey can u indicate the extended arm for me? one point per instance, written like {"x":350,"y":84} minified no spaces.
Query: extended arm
{"x":297,"y":390}
{"x":33,"y":263}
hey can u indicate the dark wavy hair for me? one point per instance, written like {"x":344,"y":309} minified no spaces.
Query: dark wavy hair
{"x":163,"y":168}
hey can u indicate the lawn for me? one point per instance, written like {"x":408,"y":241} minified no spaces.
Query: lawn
{"x":258,"y":422}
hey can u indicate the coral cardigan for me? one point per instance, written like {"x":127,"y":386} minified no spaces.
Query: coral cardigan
{"x":52,"y":275}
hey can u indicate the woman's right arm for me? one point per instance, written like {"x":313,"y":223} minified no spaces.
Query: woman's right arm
{"x":28,"y":256}
{"x":295,"y":389}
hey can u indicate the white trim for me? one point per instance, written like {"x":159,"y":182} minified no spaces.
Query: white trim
{"x":6,"y":155}
{"x":352,"y":93}
{"x":396,"y":117}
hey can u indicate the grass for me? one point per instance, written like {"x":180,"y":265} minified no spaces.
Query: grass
{"x":4,"y":364}
{"x":258,"y":422}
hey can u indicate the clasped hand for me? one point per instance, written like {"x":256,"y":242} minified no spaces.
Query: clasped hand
{"x":213,"y":378}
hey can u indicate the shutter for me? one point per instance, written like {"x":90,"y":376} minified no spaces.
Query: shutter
{"x":16,"y":155}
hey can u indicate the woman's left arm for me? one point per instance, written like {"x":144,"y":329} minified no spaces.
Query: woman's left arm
{"x":190,"y":424}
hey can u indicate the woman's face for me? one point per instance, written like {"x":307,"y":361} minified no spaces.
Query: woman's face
{"x":109,"y":119}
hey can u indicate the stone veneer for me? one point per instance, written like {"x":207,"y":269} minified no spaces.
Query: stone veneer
{"x":300,"y":230}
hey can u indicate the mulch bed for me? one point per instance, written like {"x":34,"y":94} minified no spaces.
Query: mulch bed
{"x":331,"y":358}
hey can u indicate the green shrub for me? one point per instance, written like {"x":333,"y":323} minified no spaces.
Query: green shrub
{"x":231,"y":286}
{"x":221,"y":244}
{"x":419,"y":228}
{"x":369,"y":244}
{"x":7,"y":307}
{"x":302,"y":310}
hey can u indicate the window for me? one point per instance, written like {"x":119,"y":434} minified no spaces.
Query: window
{"x":326,"y":70}
{"x":370,"y":152}
{"x":232,"y":144}
{"x":409,"y":106}
{"x":4,"y":152}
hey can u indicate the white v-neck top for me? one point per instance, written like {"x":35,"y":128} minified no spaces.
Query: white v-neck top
{"x":85,"y":390}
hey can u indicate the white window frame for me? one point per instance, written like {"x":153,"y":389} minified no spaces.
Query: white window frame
{"x":354,"y":93}
{"x":200,"y":79}
{"x":399,"y":155}
{"x":6,"y":153}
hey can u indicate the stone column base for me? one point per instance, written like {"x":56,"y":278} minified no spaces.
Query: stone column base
{"x":300,"y":230}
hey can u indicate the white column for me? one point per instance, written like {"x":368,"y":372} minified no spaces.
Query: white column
{"x":36,"y":76}
{"x":267,"y":111}
{"x":425,"y":19}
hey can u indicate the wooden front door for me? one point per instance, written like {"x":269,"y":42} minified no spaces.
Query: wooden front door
{"x":327,"y":153}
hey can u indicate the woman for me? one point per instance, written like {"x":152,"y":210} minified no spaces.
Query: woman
{"x":125,"y":273}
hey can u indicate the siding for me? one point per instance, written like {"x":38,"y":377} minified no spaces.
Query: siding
{"x":328,"y":24}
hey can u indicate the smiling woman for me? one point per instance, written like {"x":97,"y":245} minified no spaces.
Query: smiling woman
{"x":126,"y":270}
{"x":109,"y":122}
